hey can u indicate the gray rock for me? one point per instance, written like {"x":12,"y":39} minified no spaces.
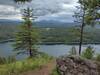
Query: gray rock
{"x":75,"y":65}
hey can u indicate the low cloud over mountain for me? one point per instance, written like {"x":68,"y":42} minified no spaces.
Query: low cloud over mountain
{"x":45,"y":9}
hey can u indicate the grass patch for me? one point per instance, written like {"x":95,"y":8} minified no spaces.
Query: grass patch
{"x":21,"y":66}
{"x":7,"y":60}
{"x":54,"y":72}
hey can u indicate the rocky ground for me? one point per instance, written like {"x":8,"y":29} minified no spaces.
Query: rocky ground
{"x":75,"y":65}
{"x":68,"y":65}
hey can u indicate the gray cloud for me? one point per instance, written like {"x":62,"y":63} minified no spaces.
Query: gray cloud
{"x":54,"y":9}
{"x":7,"y":2}
{"x":61,"y":16}
{"x":50,"y":6}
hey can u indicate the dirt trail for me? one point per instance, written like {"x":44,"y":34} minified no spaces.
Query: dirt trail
{"x":44,"y":70}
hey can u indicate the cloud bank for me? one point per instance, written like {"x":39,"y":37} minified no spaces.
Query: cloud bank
{"x":61,"y":10}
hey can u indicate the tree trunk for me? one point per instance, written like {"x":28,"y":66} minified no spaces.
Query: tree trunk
{"x":81,"y":39}
{"x":30,"y":52}
{"x":30,"y":42}
{"x":82,"y":29}
{"x":29,"y":25}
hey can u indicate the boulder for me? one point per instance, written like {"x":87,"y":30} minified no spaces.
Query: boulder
{"x":75,"y":65}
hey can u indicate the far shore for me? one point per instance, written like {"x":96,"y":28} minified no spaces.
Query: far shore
{"x":55,"y":43}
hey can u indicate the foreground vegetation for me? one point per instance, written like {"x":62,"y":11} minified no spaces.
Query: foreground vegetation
{"x":19,"y":67}
{"x":88,"y":54}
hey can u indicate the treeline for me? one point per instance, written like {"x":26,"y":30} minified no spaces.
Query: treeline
{"x":7,"y":31}
{"x":72,"y":34}
{"x":64,"y":35}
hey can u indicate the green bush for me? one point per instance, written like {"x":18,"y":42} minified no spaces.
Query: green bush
{"x":55,"y":72}
{"x":88,"y":53}
{"x":5,"y":60}
{"x":2,"y":60}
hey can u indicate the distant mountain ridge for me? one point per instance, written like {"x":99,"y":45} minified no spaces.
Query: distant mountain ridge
{"x":9,"y":22}
{"x":52,"y":23}
{"x":43,"y":23}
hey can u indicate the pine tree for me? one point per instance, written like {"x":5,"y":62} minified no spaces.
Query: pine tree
{"x":88,"y":15}
{"x":80,"y":18}
{"x":93,"y":11}
{"x":27,"y":36}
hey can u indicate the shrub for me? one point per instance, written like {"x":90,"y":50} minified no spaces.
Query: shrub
{"x":2,"y":60}
{"x":73,"y":51}
{"x":98,"y":57}
{"x":55,"y":72}
{"x":88,"y":53}
{"x":5,"y":60}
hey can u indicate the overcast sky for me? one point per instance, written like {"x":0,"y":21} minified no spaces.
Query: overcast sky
{"x":61,"y":10}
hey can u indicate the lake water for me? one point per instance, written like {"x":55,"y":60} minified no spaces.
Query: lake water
{"x":52,"y":50}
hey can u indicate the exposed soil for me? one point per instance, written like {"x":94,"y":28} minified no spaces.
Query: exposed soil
{"x":44,"y":70}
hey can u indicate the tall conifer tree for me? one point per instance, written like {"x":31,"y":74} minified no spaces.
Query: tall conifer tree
{"x":80,"y":18}
{"x":27,"y":36}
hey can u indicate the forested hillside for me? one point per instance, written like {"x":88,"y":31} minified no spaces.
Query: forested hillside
{"x":7,"y":31}
{"x":56,"y":34}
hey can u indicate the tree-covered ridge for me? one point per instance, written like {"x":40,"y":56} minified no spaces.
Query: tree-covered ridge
{"x":70,"y":34}
{"x":7,"y":31}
